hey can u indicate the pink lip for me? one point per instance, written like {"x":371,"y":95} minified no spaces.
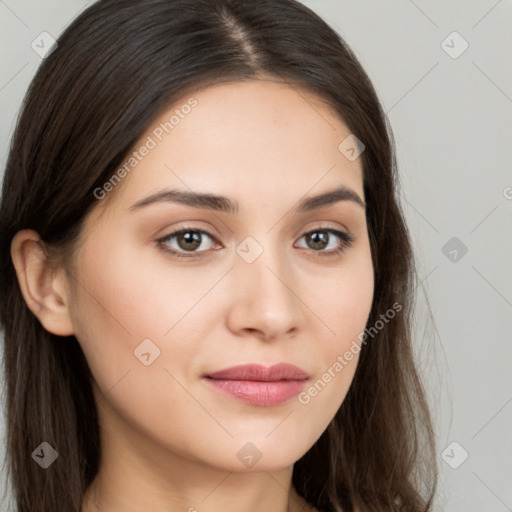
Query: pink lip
{"x":260,"y":385}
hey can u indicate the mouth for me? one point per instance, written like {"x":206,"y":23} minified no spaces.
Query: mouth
{"x":259,"y":385}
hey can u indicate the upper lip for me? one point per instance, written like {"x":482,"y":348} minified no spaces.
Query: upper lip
{"x":257,"y":372}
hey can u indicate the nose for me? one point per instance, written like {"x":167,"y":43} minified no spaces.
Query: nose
{"x":265,"y":301}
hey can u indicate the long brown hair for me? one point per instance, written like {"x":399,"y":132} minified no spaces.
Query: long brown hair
{"x":115,"y":68}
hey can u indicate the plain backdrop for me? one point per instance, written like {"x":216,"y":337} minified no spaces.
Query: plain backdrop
{"x":443,"y":72}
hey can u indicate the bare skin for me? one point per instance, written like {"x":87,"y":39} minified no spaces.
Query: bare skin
{"x":169,"y":441}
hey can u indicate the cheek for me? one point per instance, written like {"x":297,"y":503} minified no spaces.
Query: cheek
{"x":133,"y":289}
{"x":134,"y":303}
{"x":343,"y":305}
{"x":135,"y":331}
{"x":341,"y":301}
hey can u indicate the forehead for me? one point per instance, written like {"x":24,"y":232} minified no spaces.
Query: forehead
{"x":254,"y":139}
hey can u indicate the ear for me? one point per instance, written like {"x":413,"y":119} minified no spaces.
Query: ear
{"x":43,"y":287}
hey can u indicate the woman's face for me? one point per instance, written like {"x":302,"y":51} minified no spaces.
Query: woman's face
{"x":256,"y":290}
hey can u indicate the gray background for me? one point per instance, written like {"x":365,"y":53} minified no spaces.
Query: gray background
{"x":452,"y":121}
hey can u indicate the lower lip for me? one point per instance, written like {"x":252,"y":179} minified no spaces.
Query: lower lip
{"x":265,"y":393}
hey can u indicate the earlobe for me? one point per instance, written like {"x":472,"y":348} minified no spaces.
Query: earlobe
{"x":42,"y":286}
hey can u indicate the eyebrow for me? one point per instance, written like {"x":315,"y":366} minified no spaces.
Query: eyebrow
{"x":224,"y":204}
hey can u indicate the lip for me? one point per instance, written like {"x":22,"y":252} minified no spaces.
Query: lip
{"x":259,"y":385}
{"x":258,"y":372}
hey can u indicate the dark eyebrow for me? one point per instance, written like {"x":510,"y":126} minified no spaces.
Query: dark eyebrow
{"x":194,"y":199}
{"x":224,"y":204}
{"x":327,"y":198}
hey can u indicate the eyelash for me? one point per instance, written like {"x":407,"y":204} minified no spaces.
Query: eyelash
{"x":346,"y":241}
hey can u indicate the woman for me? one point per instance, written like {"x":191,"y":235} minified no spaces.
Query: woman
{"x":206,"y":277}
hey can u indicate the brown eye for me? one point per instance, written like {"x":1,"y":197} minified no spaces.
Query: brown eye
{"x":321,"y":239}
{"x":185,"y":241}
{"x":317,"y":239}
{"x":189,"y":240}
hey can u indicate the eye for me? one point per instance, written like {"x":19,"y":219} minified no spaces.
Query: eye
{"x":186,"y":240}
{"x":322,"y":238}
